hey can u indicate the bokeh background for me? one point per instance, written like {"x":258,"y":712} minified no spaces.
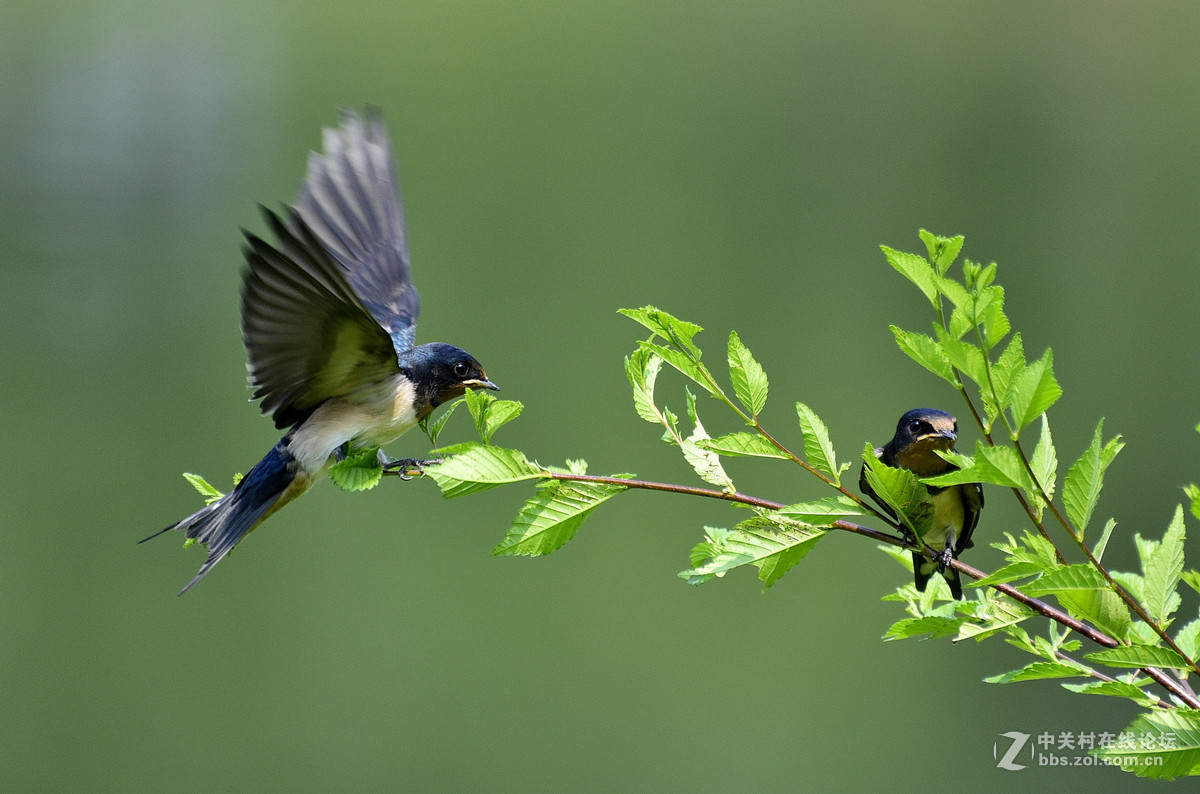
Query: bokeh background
{"x":738,"y":164}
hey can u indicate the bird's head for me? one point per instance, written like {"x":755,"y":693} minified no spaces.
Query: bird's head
{"x":920,"y":433}
{"x":441,"y":372}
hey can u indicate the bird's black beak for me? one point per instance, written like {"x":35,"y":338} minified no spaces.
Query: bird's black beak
{"x":475,"y":383}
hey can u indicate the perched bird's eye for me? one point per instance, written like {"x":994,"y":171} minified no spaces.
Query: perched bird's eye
{"x":462,"y":369}
{"x":916,"y":426}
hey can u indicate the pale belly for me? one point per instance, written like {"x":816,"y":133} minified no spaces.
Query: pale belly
{"x":370,"y":419}
{"x":947,"y":519}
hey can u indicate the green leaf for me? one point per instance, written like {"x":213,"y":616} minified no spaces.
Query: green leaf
{"x":1191,"y":578}
{"x":470,"y":468}
{"x":771,"y":549}
{"x":203,"y":487}
{"x":687,"y":364}
{"x":1044,"y":464}
{"x":553,"y":516}
{"x":1139,"y":656}
{"x":1033,"y":390}
{"x":706,"y":463}
{"x":1172,"y":735}
{"x":927,"y":352}
{"x":642,"y":369}
{"x":1121,"y":689}
{"x":358,"y":471}
{"x":1010,"y":573}
{"x":1193,"y":494}
{"x":999,"y":396}
{"x":1039,"y":670}
{"x":432,"y":428}
{"x":489,"y":413}
{"x":990,"y":313}
{"x":927,"y":626}
{"x":900,"y":489}
{"x":914,"y":268}
{"x":966,"y":357}
{"x":1162,"y":565}
{"x":671,"y":329}
{"x":1067,"y":578}
{"x":942,"y":250}
{"x":749,"y":380}
{"x":1188,"y":639}
{"x":822,"y":512}
{"x":1102,"y":544}
{"x":818,"y":449}
{"x":742,"y":445}
{"x":994,"y":465}
{"x":1081,"y":489}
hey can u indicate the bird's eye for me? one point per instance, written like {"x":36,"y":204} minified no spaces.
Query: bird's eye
{"x":915,"y":426}
{"x":462,"y":369}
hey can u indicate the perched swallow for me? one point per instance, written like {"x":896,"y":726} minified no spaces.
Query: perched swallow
{"x":328,"y":321}
{"x":956,"y":508}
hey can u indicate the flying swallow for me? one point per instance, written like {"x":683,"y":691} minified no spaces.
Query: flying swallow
{"x":329,"y":315}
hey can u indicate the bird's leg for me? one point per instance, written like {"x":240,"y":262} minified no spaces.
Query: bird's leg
{"x":405,"y":468}
{"x":943,"y":557}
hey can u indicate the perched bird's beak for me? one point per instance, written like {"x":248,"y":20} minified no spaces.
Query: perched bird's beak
{"x":475,"y":383}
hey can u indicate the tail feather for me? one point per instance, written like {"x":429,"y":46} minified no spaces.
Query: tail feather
{"x":223,"y":524}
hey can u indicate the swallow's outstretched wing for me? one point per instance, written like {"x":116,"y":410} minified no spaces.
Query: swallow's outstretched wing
{"x":331,"y":305}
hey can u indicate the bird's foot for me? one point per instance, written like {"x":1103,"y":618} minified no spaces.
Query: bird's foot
{"x":943,"y":559}
{"x":407,"y":468}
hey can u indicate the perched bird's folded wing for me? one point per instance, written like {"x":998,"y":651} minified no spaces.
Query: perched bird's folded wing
{"x":972,"y":497}
{"x":307,"y":334}
{"x":351,"y":200}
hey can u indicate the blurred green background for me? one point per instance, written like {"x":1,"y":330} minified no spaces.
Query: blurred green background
{"x":736,"y":164}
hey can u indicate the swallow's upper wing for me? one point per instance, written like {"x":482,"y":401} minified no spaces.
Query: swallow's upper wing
{"x":308,"y":337}
{"x":331,"y":305}
{"x":972,"y":498}
{"x":351,"y":200}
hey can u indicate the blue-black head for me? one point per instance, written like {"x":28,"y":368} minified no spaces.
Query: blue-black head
{"x":919,"y":433}
{"x":441,"y":372}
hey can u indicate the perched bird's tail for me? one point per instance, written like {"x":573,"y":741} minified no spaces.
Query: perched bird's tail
{"x":924,"y":569}
{"x":273,"y":482}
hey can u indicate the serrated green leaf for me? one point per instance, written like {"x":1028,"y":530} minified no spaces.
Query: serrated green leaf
{"x":900,"y":489}
{"x":998,"y":396}
{"x":469,"y":468}
{"x":358,"y":471}
{"x":203,"y":487}
{"x":914,"y":268}
{"x":990,"y":311}
{"x":1044,"y":464}
{"x":553,"y":516}
{"x":927,"y":352}
{"x":663,"y":324}
{"x":1066,"y":578}
{"x":707,"y":464}
{"x":1085,"y":478}
{"x":993,"y":615}
{"x":1010,"y":573}
{"x":742,"y":445}
{"x":686,"y":363}
{"x":642,"y":368}
{"x":966,"y":357}
{"x":926,"y":627}
{"x":1122,"y":689}
{"x":773,"y":551}
{"x":1102,"y":543}
{"x":818,"y":449}
{"x":1139,"y":656}
{"x":432,"y":428}
{"x":748,"y":378}
{"x":942,"y":250}
{"x":994,"y":465}
{"x":1162,"y":565}
{"x":1193,"y":494}
{"x":1033,"y":390}
{"x":1188,"y":639}
{"x":1170,"y":734}
{"x":1038,"y":670}
{"x":822,"y":512}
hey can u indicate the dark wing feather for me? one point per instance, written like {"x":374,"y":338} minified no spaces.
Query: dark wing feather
{"x":972,"y":497}
{"x":307,"y":334}
{"x":351,"y":200}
